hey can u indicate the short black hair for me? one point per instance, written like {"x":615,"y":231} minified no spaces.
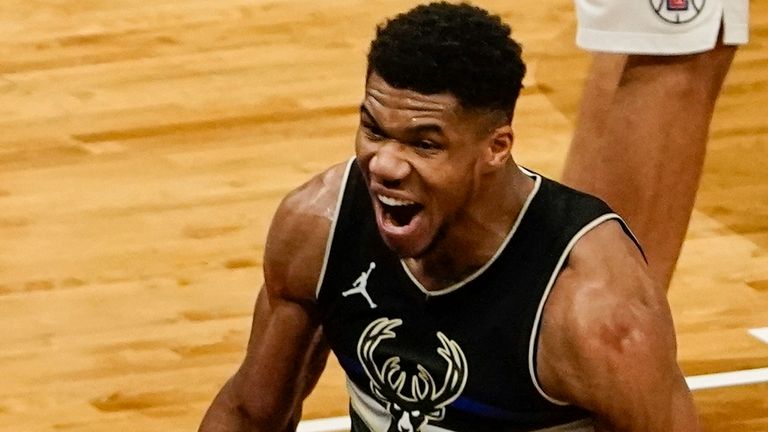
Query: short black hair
{"x":456,"y":48}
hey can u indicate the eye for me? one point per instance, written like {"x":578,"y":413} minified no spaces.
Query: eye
{"x":373,"y":133}
{"x":426,"y":145}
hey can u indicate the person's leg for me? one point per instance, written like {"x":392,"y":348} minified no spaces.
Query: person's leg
{"x":640,"y":141}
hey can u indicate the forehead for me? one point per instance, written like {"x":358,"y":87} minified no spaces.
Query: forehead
{"x":380,"y":97}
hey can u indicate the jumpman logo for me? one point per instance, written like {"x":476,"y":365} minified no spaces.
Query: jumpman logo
{"x":359,"y":286}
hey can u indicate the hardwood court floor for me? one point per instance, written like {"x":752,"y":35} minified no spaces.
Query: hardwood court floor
{"x":145,"y":145}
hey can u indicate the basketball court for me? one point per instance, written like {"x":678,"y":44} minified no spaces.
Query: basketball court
{"x":145,"y":146}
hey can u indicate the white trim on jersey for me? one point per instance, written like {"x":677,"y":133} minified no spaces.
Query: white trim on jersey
{"x":373,"y":413}
{"x":481,"y":270}
{"x":377,"y":418}
{"x":550,"y":284}
{"x":331,"y":233}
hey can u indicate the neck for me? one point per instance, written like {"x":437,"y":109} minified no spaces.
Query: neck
{"x":476,"y":234}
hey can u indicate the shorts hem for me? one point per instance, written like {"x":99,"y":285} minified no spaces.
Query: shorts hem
{"x":736,"y":34}
{"x":651,"y":43}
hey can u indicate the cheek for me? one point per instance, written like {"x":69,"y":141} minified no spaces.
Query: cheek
{"x":449,"y":189}
{"x":364,"y":150}
{"x":364,"y":143}
{"x":452,"y":178}
{"x":359,"y":142}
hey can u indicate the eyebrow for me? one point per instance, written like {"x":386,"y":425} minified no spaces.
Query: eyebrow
{"x":423,"y":128}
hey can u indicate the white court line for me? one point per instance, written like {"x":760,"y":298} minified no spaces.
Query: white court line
{"x":698,"y":382}
{"x":728,"y":379}
{"x":760,"y":333}
{"x":332,"y":424}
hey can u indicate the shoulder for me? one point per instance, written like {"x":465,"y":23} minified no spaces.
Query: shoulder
{"x":298,"y":235}
{"x":604,"y":322}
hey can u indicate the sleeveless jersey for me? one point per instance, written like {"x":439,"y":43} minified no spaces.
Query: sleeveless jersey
{"x":462,"y":358}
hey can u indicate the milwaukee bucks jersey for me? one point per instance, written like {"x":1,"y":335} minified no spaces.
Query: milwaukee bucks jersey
{"x":462,"y":358}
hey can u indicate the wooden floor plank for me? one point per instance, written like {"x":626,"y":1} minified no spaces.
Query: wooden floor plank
{"x":146,"y":145}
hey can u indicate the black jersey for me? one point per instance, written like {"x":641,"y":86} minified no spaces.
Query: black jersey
{"x":462,"y":358}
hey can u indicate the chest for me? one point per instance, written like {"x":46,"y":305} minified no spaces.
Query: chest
{"x":394,"y":339}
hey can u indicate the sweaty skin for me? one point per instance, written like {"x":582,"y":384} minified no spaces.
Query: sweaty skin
{"x":649,"y":175}
{"x":606,"y":344}
{"x":423,"y":148}
{"x":607,"y":340}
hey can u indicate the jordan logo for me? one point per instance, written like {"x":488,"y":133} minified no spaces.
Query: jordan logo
{"x":360,"y":285}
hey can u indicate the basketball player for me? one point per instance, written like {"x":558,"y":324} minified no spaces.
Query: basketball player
{"x":641,"y":135}
{"x":459,"y":291}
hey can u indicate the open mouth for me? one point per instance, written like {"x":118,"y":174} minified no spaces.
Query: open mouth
{"x":398,"y":212}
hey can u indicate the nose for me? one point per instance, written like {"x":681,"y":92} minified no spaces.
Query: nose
{"x":387,"y":165}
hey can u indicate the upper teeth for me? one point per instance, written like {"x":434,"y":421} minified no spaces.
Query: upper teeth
{"x":394,"y":201}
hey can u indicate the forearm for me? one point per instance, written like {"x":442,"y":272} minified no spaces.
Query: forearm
{"x":226,"y":415}
{"x":285,"y":357}
{"x":223,"y":415}
{"x":685,"y":416}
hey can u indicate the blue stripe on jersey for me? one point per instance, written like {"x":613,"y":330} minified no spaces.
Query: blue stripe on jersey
{"x":354,"y":368}
{"x":475,"y":407}
{"x":352,"y":365}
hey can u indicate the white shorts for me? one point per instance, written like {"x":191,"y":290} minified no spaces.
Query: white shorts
{"x":660,"y":27}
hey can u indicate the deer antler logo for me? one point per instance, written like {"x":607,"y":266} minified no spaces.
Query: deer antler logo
{"x":425,"y":402}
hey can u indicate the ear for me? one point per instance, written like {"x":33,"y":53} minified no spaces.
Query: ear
{"x":498,"y":149}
